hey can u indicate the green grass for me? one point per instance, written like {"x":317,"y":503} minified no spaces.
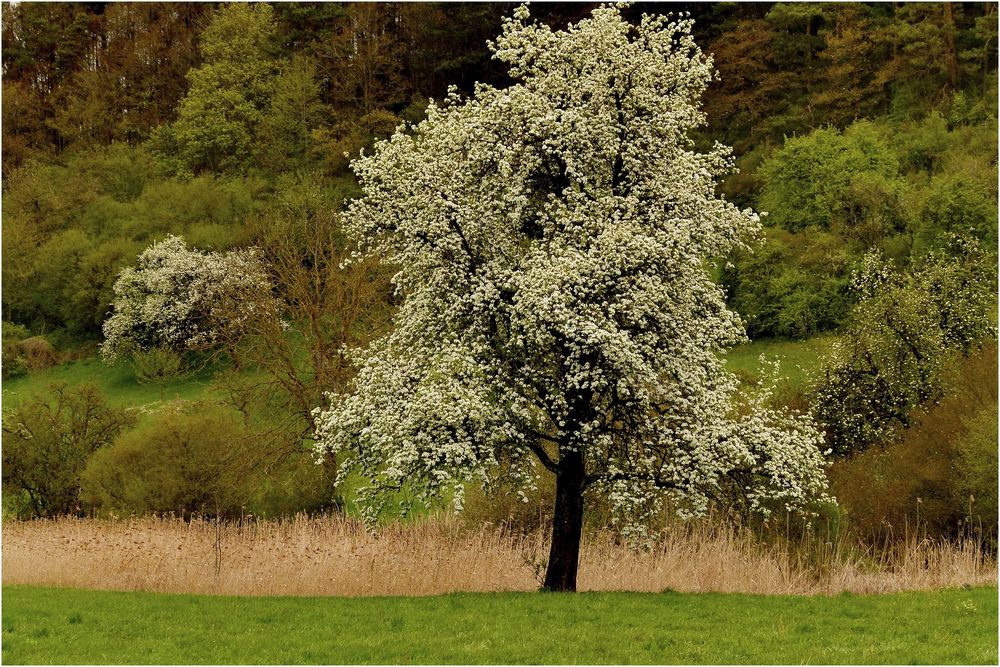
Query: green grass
{"x":44,"y":625}
{"x":121,"y":389}
{"x":799,"y":359}
{"x":117,"y":382}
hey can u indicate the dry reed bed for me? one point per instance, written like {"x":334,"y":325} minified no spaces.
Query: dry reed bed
{"x":337,"y":556}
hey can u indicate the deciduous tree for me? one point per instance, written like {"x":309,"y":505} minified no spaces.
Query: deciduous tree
{"x":551,"y":242}
{"x":183,"y":299}
{"x":229,"y":93}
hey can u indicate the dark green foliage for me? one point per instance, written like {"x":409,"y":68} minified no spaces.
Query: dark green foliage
{"x":68,"y":230}
{"x":46,"y":443}
{"x":792,"y":285}
{"x":285,"y":135}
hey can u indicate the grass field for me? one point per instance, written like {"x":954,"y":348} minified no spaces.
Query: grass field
{"x":800,"y":359}
{"x":45,"y":625}
{"x":116,"y":382}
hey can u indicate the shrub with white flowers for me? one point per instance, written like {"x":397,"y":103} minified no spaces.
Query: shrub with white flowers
{"x":890,"y":359}
{"x":552,"y":241}
{"x":183,"y":299}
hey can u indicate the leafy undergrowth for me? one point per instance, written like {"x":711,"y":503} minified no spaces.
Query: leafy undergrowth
{"x":44,"y":625}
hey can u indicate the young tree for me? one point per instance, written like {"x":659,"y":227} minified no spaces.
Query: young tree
{"x":906,"y":325}
{"x":551,"y":242}
{"x":286,"y":132}
{"x":228,"y":94}
{"x":323,"y":308}
{"x":47,"y":441}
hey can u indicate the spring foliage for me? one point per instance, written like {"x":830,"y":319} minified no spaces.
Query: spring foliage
{"x":901,"y":336}
{"x":551,"y":240}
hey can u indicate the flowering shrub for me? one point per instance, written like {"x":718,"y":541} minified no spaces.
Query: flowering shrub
{"x":183,"y":299}
{"x":904,"y":328}
{"x":551,"y":240}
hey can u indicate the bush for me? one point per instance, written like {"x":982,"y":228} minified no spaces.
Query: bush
{"x":976,"y":469}
{"x":186,"y":463}
{"x":961,"y":202}
{"x":183,"y":299}
{"x":201,"y":462}
{"x":47,"y":441}
{"x":38,"y":353}
{"x":156,"y":365}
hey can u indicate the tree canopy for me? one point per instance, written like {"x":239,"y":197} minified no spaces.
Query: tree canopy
{"x":551,"y":239}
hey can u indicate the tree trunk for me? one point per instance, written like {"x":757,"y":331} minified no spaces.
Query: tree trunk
{"x":567,"y":525}
{"x":949,"y":41}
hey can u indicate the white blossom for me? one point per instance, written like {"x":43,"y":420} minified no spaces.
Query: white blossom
{"x":184,"y":299}
{"x":551,"y":240}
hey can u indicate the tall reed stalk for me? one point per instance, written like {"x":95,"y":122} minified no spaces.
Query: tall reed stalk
{"x":337,"y":556}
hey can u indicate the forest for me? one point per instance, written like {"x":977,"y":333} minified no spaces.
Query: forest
{"x":224,"y":299}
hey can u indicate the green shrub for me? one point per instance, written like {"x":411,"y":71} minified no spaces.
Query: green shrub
{"x":47,"y":441}
{"x":178,"y":462}
{"x":961,"y":202}
{"x":294,"y":484}
{"x":204,"y":460}
{"x":157,"y":365}
{"x":976,"y":468}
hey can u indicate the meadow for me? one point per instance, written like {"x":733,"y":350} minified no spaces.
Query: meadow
{"x":416,"y":246}
{"x":799,"y":359}
{"x":53,"y":626}
{"x":117,"y":383}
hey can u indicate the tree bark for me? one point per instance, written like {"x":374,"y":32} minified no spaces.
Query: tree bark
{"x":567,"y":524}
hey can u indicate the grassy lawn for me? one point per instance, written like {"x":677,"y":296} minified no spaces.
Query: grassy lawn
{"x":799,"y":359}
{"x":121,"y":389}
{"x":117,"y":382}
{"x":42,"y":625}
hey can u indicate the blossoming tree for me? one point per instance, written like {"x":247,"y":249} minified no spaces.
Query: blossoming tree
{"x":552,"y":241}
{"x":182,"y":299}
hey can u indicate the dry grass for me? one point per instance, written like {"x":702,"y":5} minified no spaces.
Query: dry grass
{"x":336,"y":556}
